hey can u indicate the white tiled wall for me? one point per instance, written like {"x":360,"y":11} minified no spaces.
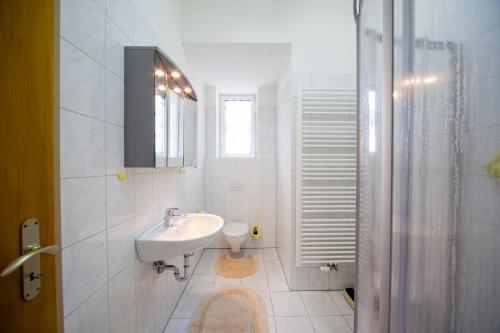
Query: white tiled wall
{"x":301,"y":278}
{"x":105,"y":287}
{"x":256,"y":175}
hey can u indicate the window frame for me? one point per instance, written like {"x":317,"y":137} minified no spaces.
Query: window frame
{"x":222,"y":128}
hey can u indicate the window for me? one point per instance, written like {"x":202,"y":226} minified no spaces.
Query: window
{"x":237,"y":126}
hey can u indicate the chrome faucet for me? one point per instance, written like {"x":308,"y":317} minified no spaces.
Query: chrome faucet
{"x":170,"y":215}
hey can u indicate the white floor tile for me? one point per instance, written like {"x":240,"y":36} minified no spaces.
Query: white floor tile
{"x":277,"y":282}
{"x":273,"y":267}
{"x":177,"y":326}
{"x":319,"y":303}
{"x":287,"y":303}
{"x":200,"y":284}
{"x":224,"y":282}
{"x":293,"y":325}
{"x":206,"y":263}
{"x":266,"y":297}
{"x":270,"y":254}
{"x":257,"y":282}
{"x":330,"y":324}
{"x":186,"y":306}
{"x":341,"y":303}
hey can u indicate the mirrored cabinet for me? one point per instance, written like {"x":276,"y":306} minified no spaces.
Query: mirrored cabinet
{"x":160,"y":111}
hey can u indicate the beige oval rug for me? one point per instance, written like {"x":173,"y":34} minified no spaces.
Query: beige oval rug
{"x":232,"y":309}
{"x":235,"y":268}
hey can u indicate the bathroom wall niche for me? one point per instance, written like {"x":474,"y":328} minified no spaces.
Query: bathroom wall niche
{"x":156,"y":93}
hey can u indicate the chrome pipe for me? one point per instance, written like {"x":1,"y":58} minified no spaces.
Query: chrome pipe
{"x":160,"y":266}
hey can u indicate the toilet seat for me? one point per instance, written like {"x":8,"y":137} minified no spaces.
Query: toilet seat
{"x":236,"y":229}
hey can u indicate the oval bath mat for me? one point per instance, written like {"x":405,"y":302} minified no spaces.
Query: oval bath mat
{"x":235,"y":268}
{"x":232,"y":309}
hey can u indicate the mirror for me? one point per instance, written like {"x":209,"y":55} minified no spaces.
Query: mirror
{"x":175,"y":129}
{"x":160,"y":134}
{"x":156,"y":94}
{"x":190,"y":122}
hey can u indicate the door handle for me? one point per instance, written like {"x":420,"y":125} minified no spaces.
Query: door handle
{"x":29,"y":260}
{"x":30,"y":252}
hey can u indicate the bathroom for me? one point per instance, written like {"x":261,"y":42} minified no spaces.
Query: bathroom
{"x":318,"y":166}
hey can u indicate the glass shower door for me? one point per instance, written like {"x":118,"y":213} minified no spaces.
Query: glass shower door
{"x":446,"y":207}
{"x":374,"y":170}
{"x":444,"y":227}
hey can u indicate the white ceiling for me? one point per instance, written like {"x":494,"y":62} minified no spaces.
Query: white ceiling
{"x":237,"y":67}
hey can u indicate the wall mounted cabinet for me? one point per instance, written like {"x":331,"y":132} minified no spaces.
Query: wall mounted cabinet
{"x":156,"y":92}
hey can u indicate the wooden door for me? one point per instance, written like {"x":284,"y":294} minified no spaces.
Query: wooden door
{"x":28,"y":124}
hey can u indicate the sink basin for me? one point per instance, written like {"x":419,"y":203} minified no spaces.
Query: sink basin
{"x":190,"y":232}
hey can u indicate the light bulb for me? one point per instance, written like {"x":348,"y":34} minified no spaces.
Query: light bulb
{"x":175,"y":74}
{"x":188,"y":90}
{"x":159,"y":72}
{"x":162,"y":87}
{"x":177,"y":90}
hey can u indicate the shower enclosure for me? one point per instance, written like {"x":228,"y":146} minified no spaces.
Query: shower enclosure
{"x":429,"y":196}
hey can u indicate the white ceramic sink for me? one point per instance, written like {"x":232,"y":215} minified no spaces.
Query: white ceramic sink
{"x":190,"y":232}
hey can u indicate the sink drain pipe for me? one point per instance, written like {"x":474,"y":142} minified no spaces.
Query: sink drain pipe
{"x":159,"y":266}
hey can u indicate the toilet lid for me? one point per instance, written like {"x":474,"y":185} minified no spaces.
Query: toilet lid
{"x":235,"y":229}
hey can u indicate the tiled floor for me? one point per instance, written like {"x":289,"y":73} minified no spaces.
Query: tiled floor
{"x":288,"y":311}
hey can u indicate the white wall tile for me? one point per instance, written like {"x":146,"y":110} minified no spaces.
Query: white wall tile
{"x":127,"y":324}
{"x":120,"y":199}
{"x":91,"y":316}
{"x":82,"y":82}
{"x":121,"y":294}
{"x":114,"y":149}
{"x":114,"y":99}
{"x":300,"y":278}
{"x":143,"y":276}
{"x":92,"y":120}
{"x":143,"y":34}
{"x":318,"y":279}
{"x":121,"y":247}
{"x":82,"y":23}
{"x":257,"y":176}
{"x":82,"y":146}
{"x":122,"y":14}
{"x":143,"y":192}
{"x":143,"y":222}
{"x":84,"y":270}
{"x":145,"y":309}
{"x":116,"y":40}
{"x":83,"y":209}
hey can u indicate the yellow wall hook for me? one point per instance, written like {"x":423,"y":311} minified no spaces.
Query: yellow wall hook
{"x":493,"y":166}
{"x":122,"y":175}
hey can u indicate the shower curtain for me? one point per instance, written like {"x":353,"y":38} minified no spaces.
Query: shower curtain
{"x":444,"y":225}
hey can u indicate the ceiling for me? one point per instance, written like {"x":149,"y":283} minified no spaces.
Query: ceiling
{"x":237,"y":67}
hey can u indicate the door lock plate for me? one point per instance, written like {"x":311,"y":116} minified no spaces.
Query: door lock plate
{"x":30,"y":231}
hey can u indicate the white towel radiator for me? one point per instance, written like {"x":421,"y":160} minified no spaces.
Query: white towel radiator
{"x":326,"y":177}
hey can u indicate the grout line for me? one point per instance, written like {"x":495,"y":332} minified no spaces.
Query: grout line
{"x":106,"y":122}
{"x":85,"y":52}
{"x":106,"y":183}
{"x":87,"y":298}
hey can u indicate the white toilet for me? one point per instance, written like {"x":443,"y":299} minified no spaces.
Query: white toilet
{"x":235,"y":234}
